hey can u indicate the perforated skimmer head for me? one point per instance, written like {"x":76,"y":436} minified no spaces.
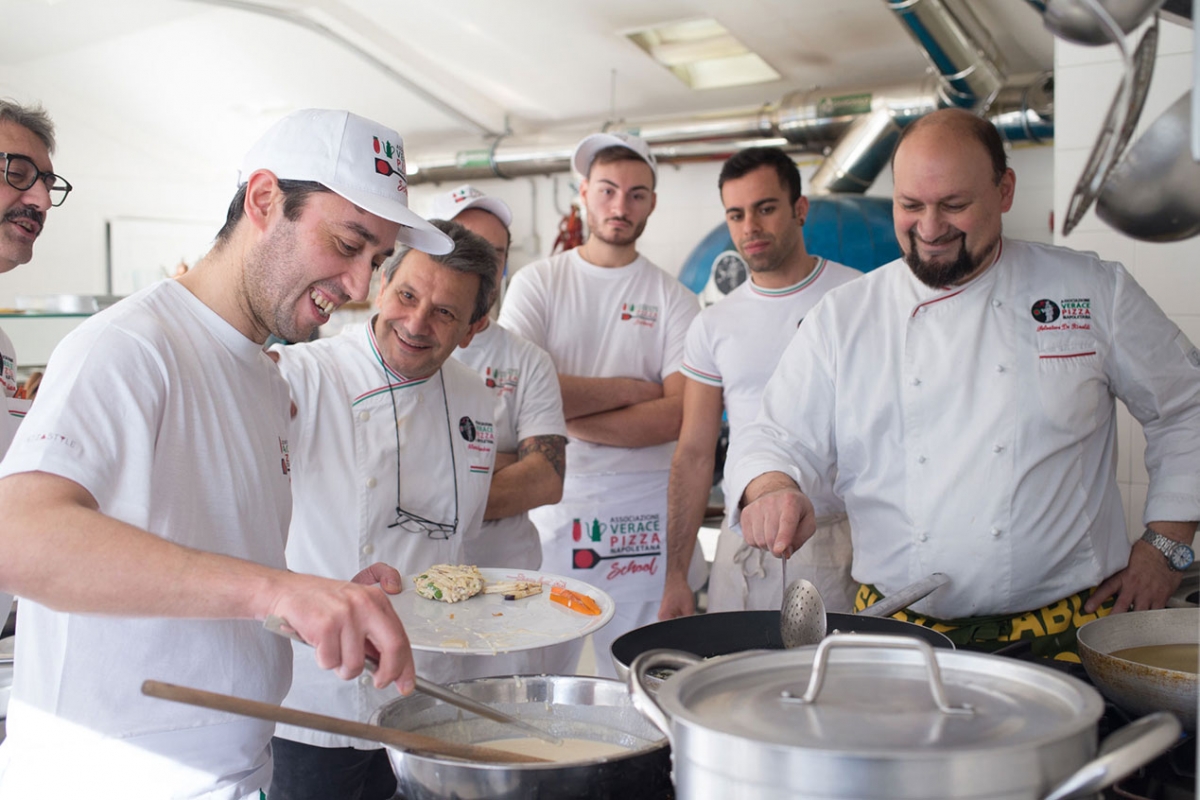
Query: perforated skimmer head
{"x":802,"y":615}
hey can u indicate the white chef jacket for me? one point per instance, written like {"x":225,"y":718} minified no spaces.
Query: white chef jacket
{"x":734,"y":345}
{"x":972,"y":431}
{"x":176,"y":423}
{"x":528,"y":403}
{"x":11,"y":413}
{"x":344,"y":463}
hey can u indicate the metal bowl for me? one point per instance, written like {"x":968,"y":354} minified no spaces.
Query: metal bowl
{"x":571,"y":706}
{"x":1074,"y":21}
{"x":1140,"y":688}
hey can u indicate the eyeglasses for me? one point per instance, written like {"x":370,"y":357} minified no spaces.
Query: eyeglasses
{"x":407,"y":521}
{"x":21,"y":173}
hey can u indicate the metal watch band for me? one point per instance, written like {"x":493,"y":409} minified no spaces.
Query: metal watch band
{"x":1168,"y":547}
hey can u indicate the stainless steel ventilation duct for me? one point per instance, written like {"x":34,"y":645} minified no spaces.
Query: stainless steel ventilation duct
{"x":855,"y":129}
{"x":801,"y":122}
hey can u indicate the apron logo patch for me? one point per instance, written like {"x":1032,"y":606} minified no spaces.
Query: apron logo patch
{"x":630,"y":537}
{"x":1045,"y":311}
{"x":639,"y":314}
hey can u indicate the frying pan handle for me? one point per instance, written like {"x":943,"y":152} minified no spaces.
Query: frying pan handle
{"x":643,"y":700}
{"x":875,"y":641}
{"x":1121,"y":753}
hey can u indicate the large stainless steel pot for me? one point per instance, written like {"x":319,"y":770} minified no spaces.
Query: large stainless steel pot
{"x":1140,"y":688}
{"x":567,"y":706}
{"x":725,"y":632}
{"x":884,"y":717}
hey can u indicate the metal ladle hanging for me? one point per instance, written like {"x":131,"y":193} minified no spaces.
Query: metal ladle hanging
{"x":1122,"y":117}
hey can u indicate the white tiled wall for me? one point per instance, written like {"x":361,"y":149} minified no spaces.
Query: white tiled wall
{"x":1085,"y":80}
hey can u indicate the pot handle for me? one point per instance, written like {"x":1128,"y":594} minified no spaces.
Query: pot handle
{"x":643,"y":700}
{"x":1121,"y":753}
{"x":878,"y":642}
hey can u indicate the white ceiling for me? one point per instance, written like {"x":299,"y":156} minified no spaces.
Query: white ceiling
{"x":193,"y":84}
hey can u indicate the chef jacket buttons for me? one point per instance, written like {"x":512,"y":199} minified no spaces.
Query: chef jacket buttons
{"x":997,"y":448}
{"x":999,"y":368}
{"x":364,"y":679}
{"x":364,"y":415}
{"x":920,"y":459}
{"x":995,"y":532}
{"x":923,"y":537}
{"x":368,"y":549}
{"x":916,"y":381}
{"x":996,"y":304}
{"x":370,"y":483}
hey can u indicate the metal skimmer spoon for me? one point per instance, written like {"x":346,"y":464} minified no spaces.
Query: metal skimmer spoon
{"x":802,"y":615}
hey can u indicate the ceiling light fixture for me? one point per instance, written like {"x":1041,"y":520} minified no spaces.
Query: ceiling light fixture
{"x":703,"y":54}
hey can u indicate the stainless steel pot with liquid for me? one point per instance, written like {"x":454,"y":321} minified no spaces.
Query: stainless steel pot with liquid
{"x":863,"y":716}
{"x":567,"y":706}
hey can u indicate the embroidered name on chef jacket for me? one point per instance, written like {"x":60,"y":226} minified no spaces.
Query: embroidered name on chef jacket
{"x":503,"y":381}
{"x":639,"y":314}
{"x":480,"y":437}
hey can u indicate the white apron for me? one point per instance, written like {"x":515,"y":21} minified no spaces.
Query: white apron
{"x":610,"y":531}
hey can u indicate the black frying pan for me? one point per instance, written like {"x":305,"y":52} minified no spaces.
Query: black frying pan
{"x":708,"y":635}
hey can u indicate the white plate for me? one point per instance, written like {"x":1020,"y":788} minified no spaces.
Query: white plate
{"x":487,"y":624}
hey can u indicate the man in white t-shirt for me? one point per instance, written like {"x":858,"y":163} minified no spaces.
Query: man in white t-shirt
{"x":148,"y":492}
{"x":614,"y":324}
{"x":531,"y":435}
{"x":29,"y":190}
{"x":732,"y":349}
{"x":392,"y":448}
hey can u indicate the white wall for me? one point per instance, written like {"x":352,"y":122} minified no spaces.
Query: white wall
{"x":1085,"y":80}
{"x":689,"y":206}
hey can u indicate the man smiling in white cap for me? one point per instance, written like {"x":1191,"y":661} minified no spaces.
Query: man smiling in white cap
{"x":148,"y":492}
{"x":615,"y":325}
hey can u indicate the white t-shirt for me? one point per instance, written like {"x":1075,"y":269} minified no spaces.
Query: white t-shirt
{"x":735,"y":344}
{"x":344,"y":465}
{"x":972,"y":431}
{"x":529,"y":403}
{"x":176,"y":423}
{"x":604,"y":322}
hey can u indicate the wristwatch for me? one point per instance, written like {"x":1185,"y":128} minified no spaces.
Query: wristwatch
{"x":1179,"y":555}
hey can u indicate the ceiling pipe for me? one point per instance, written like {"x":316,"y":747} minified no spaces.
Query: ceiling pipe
{"x":854,"y":129}
{"x":970,"y":75}
{"x":801,"y":122}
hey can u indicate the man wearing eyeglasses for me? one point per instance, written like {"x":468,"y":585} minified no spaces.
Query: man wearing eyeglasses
{"x":147,"y":495}
{"x":392,"y":450}
{"x":29,"y":190}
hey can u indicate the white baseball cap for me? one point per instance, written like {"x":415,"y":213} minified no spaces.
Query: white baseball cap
{"x":586,"y":150}
{"x":449,"y":205}
{"x":354,"y":157}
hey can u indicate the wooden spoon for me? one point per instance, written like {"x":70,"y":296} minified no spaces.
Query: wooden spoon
{"x":403,"y":740}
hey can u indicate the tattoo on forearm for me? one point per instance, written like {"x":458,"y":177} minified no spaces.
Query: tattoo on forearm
{"x":552,"y":448}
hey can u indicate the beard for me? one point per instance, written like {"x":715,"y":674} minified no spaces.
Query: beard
{"x":939,"y":275}
{"x":620,"y":240}
{"x":271,"y":287}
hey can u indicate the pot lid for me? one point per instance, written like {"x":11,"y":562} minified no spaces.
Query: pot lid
{"x":880,"y":693}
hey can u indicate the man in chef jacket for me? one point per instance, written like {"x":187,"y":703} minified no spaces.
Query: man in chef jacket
{"x":614,"y":325}
{"x":30,"y":189}
{"x":732,"y":349}
{"x":531,"y":435}
{"x":960,"y":402}
{"x":392,"y":449}
{"x":147,"y":495}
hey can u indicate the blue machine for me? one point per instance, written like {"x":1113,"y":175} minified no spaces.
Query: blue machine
{"x":849,"y":229}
